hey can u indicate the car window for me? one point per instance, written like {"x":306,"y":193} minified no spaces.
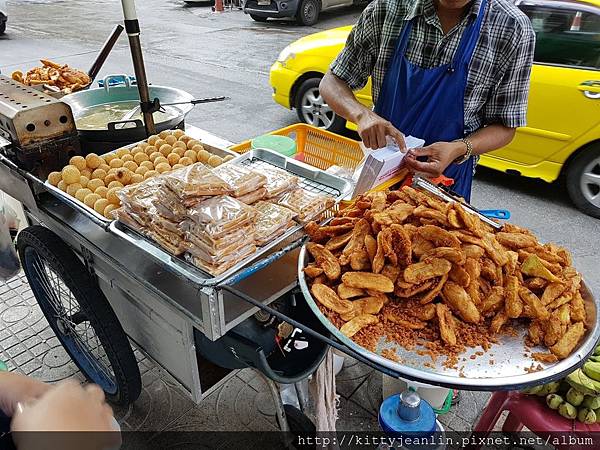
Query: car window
{"x":568,"y":37}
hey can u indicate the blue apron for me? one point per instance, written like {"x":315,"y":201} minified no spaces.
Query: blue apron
{"x":429,"y":103}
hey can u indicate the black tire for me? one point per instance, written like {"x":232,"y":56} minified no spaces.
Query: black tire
{"x":2,"y":27}
{"x":300,"y":425}
{"x":258,"y":18}
{"x":308,"y":12}
{"x":337,"y":123}
{"x":583,"y":168}
{"x":51,"y":266}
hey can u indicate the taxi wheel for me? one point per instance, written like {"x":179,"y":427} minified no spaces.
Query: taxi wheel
{"x":312,"y":109}
{"x":583,"y":180}
{"x":308,"y":12}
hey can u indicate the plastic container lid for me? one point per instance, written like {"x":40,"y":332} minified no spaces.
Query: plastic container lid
{"x":422,"y":419}
{"x":280,"y":144}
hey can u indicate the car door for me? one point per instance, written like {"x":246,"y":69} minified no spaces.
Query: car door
{"x":564,"y":99}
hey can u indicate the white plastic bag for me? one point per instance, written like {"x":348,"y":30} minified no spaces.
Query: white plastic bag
{"x":9,"y":261}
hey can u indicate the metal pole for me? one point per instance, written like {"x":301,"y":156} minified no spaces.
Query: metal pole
{"x":132,"y":26}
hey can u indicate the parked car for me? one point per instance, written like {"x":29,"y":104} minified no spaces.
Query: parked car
{"x":563,"y":132}
{"x":3,"y":16}
{"x":306,"y":12}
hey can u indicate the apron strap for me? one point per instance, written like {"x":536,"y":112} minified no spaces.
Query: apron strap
{"x":469,"y":39}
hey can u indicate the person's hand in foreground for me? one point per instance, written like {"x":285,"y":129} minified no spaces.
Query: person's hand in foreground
{"x":16,"y":388}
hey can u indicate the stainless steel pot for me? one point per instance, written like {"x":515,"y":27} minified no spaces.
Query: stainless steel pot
{"x":132,"y":130}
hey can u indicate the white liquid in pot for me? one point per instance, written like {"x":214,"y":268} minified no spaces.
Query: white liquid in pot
{"x":98,"y":116}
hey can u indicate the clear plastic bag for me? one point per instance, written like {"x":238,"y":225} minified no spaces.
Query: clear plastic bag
{"x":222,"y":215}
{"x":278,"y":181}
{"x":273,"y":220}
{"x":305,"y":204}
{"x":9,"y":261}
{"x":241,"y":179}
{"x":197,"y":180}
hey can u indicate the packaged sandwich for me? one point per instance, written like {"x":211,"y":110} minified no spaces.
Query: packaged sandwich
{"x":222,"y":246}
{"x":217,"y":269}
{"x":273,"y":220}
{"x":197,"y":180}
{"x":254,"y":196}
{"x":221,"y":215}
{"x":241,"y":179}
{"x":278,"y":181}
{"x":307,"y":205}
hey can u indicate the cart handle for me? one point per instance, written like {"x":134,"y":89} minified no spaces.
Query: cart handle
{"x":335,"y":344}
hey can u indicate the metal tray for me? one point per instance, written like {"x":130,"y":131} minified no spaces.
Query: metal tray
{"x":311,"y":179}
{"x":509,"y":370}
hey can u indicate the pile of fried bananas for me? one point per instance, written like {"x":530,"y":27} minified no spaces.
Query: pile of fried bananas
{"x":62,"y":77}
{"x":404,"y":257}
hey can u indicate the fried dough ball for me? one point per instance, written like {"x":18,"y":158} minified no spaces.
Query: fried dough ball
{"x":155,"y":155}
{"x":109,"y":157}
{"x":191,"y":143}
{"x":170,"y":139}
{"x":104,"y":167}
{"x":160,"y":160}
{"x":228,"y":158}
{"x":62,"y":185}
{"x":122,"y":152}
{"x":148,"y":164}
{"x":141,"y":170}
{"x":101,"y":191}
{"x":91,"y":199}
{"x":130,"y":165}
{"x":124,"y":175}
{"x":152,"y":139}
{"x":110,"y":177}
{"x":164,"y":134}
{"x":143,"y":145}
{"x":163,"y":167}
{"x":140,"y":157}
{"x":186,"y":161}
{"x":165,"y":149}
{"x":83,"y":180}
{"x":100,"y":205}
{"x":150,"y":174}
{"x":111,"y":195}
{"x":86,"y":173}
{"x":99,"y":174}
{"x":73,"y":188}
{"x":79,"y":162}
{"x":70,"y":174}
{"x":115,"y":184}
{"x":150,"y":149}
{"x":116,"y":163}
{"x":190,"y":154}
{"x":180,"y":144}
{"x":126,"y":158}
{"x":178,"y":166}
{"x":95,"y":184}
{"x":185,"y":138}
{"x":108,"y":210}
{"x":198,"y":147}
{"x":160,"y":143}
{"x":93,"y":161}
{"x":54,"y":178}
{"x":215,"y":161}
{"x":203,"y":156}
{"x":112,"y":171}
{"x":173,"y":158}
{"x":179,"y":151}
{"x":178,"y":133}
{"x":135,"y":150}
{"x":136,"y":178}
{"x":82,"y":193}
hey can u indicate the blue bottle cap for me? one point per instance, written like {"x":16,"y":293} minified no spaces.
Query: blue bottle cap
{"x":407,"y":415}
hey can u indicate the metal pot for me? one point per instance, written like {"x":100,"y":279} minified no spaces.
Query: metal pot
{"x":131,"y":130}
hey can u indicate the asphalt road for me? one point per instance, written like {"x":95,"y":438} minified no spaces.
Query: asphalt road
{"x":211,"y":54}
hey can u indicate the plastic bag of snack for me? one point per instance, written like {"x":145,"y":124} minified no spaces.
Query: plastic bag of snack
{"x":305,"y":204}
{"x":217,"y":269}
{"x":241,"y":179}
{"x":195,"y":181}
{"x":278,"y":181}
{"x":224,"y":245}
{"x":9,"y":261}
{"x":273,"y":220}
{"x":221,"y":215}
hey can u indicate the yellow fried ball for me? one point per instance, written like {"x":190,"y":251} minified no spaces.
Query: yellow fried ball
{"x":150,"y":174}
{"x":141,"y":170}
{"x":104,"y":167}
{"x":203,"y":156}
{"x":178,"y":166}
{"x":130,"y":165}
{"x":180,"y":144}
{"x":148,"y":164}
{"x":198,"y":147}
{"x":190,"y":154}
{"x":173,"y":158}
{"x":54,"y":178}
{"x":73,"y":188}
{"x":150,"y":149}
{"x":228,"y":158}
{"x":155,"y":155}
{"x":126,"y":158}
{"x":136,"y":150}
{"x":86,"y":173}
{"x":91,"y":199}
{"x":122,"y":152}
{"x":108,"y":210}
{"x":179,"y":151}
{"x":191,"y":143}
{"x":70,"y":174}
{"x":124,"y":176}
{"x":170,"y":139}
{"x":93,"y":161}
{"x":109,"y":157}
{"x":82,"y":193}
{"x":101,"y":191}
{"x":178,"y":133}
{"x":165,"y":149}
{"x":163,"y":167}
{"x":62,"y":185}
{"x":160,"y":160}
{"x":95,"y":184}
{"x":99,"y":174}
{"x":152,"y":139}
{"x":215,"y":161}
{"x":116,"y":163}
{"x":136,"y":178}
{"x":112,"y":196}
{"x":110,"y":177}
{"x":160,"y":143}
{"x":79,"y":162}
{"x":115,"y":184}
{"x":100,"y":205}
{"x":185,"y":138}
{"x":186,"y":161}
{"x":83,"y":180}
{"x":140,"y":157}
{"x":164,"y":134}
{"x":143,"y":145}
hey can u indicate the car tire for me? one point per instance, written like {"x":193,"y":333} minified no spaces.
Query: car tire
{"x":258,"y":18}
{"x":308,"y":12}
{"x":583,"y":180}
{"x":2,"y":27}
{"x":312,"y":109}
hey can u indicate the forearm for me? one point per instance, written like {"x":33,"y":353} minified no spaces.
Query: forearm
{"x":491,"y":138}
{"x":340,"y":98}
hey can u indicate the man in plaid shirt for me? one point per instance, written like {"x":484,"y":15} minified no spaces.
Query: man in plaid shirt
{"x":452,"y":72}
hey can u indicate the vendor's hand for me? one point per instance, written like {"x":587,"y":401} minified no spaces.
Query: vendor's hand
{"x":439,"y":156}
{"x":373,"y":130}
{"x":16,"y":388}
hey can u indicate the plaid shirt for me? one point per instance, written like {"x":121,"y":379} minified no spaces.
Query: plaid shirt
{"x":498,"y":79}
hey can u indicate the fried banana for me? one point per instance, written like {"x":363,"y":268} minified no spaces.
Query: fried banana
{"x":458,"y":299}
{"x":532,"y":300}
{"x":454,"y":255}
{"x":347,"y":292}
{"x":366,"y":280}
{"x":568,"y":341}
{"x":459,"y":275}
{"x":349,"y":329}
{"x":446,"y":323}
{"x":427,"y":269}
{"x":328,"y":298}
{"x":516,"y":240}
{"x":438,"y":236}
{"x":326,"y":260}
{"x":512,"y":299}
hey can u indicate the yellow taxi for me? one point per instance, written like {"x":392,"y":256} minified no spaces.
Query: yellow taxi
{"x":563,"y":132}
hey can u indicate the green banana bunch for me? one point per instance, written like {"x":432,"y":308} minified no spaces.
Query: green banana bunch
{"x":597,"y":351}
{"x":594,"y":358}
{"x":574,"y":397}
{"x":567,"y":410}
{"x":554,"y":401}
{"x":591,"y":402}
{"x":592,"y":370}
{"x":532,"y":390}
{"x":581,"y":382}
{"x":586,"y":415}
{"x":597,"y":411}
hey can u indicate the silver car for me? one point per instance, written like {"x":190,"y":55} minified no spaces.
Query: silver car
{"x":306,"y":12}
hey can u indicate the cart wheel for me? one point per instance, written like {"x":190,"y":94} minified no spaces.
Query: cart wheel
{"x":79,"y":314}
{"x":300,"y":425}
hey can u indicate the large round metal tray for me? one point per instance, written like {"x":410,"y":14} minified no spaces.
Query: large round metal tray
{"x":510,"y":365}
